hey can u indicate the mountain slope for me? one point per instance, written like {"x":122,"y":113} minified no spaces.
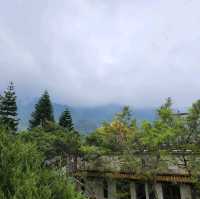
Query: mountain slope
{"x":86,"y":119}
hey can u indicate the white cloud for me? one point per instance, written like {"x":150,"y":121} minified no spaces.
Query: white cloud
{"x":92,"y":52}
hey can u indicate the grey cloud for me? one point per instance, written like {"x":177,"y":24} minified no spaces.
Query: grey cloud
{"x":93,"y":52}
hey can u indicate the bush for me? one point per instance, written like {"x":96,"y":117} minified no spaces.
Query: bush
{"x":23,"y":176}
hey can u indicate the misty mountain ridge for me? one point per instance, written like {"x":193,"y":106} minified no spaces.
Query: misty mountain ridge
{"x":86,"y":119}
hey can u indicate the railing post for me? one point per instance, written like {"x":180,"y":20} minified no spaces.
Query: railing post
{"x":132,"y":190}
{"x":147,"y":190}
{"x":185,"y":191}
{"x":159,"y":191}
{"x":112,"y":189}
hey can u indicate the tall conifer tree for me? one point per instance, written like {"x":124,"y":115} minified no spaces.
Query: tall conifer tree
{"x":65,"y":120}
{"x":43,"y":112}
{"x":8,"y":108}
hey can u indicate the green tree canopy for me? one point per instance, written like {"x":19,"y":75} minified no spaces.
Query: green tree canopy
{"x":65,"y":120}
{"x":8,"y":108}
{"x":112,"y":137}
{"x":43,"y":112}
{"x":57,"y":142}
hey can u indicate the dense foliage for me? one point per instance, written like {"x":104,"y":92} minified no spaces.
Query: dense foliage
{"x":24,"y":175}
{"x":54,"y":141}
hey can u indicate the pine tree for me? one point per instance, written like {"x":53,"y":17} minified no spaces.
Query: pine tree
{"x":8,"y":108}
{"x":43,"y":112}
{"x":65,"y":120}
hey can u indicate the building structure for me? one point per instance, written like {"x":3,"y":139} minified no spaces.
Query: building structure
{"x":112,"y":182}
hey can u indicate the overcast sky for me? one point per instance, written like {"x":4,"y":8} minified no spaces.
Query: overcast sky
{"x":95,"y":52}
